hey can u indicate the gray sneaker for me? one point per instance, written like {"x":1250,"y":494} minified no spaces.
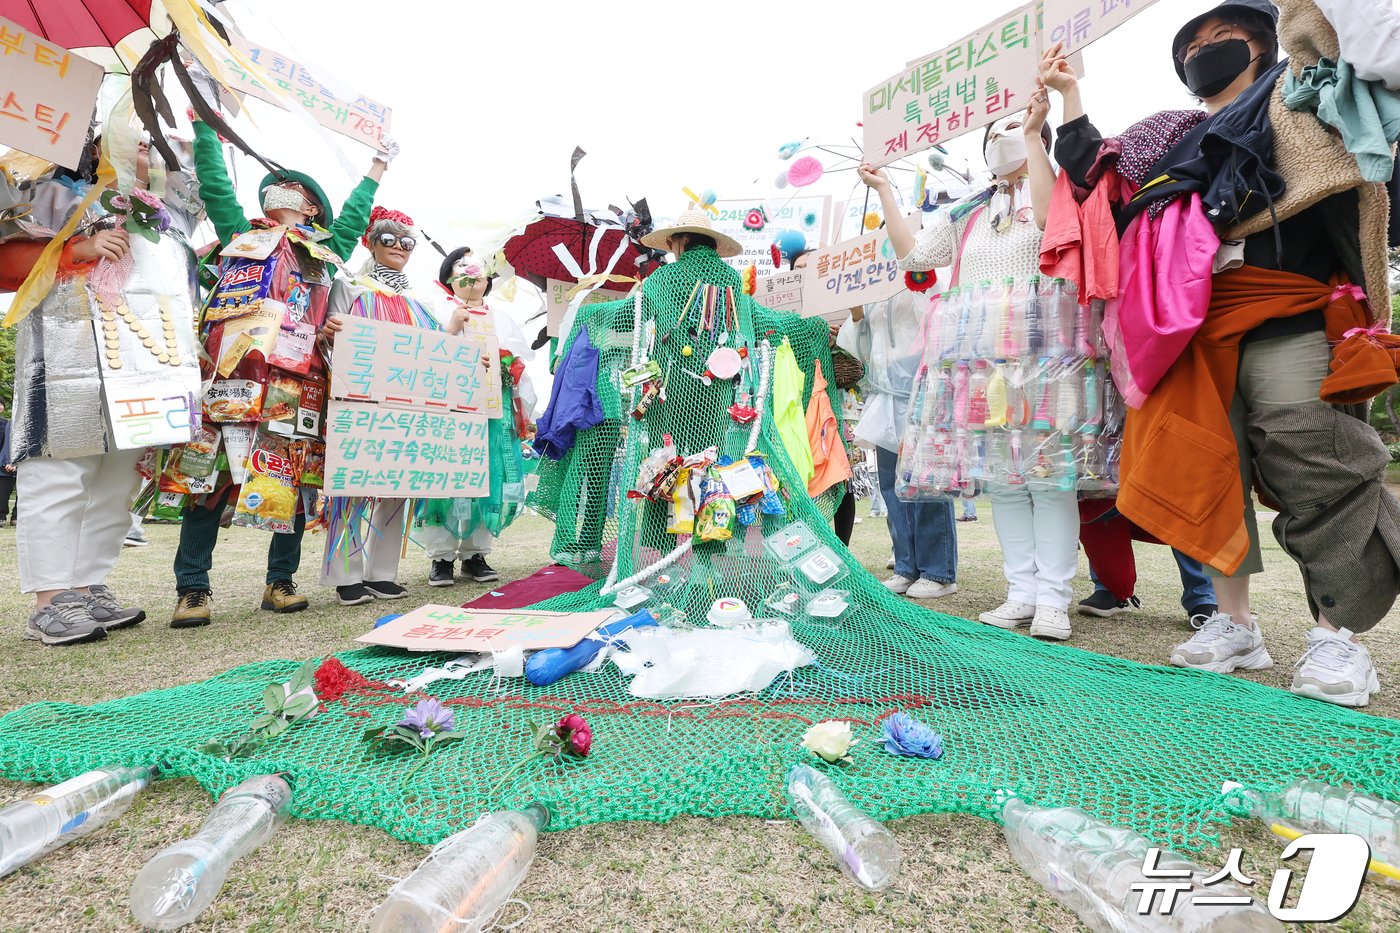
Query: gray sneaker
{"x":108,"y":612}
{"x":65,"y":621}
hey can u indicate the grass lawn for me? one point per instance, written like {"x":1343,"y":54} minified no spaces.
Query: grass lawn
{"x":691,"y":874}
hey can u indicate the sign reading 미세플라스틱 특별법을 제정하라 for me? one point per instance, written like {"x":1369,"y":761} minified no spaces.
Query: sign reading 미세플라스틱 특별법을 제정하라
{"x":47,"y":95}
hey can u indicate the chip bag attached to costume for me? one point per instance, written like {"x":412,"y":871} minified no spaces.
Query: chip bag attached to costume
{"x":268,"y":499}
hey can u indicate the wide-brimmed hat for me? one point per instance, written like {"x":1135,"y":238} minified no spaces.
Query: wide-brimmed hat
{"x":694,"y":222}
{"x":327,"y":215}
{"x":1186,"y":33}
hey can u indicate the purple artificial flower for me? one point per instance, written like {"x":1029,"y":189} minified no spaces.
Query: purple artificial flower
{"x":428,"y":718}
{"x":908,"y":737}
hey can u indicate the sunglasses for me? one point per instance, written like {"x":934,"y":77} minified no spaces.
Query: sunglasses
{"x":405,"y":243}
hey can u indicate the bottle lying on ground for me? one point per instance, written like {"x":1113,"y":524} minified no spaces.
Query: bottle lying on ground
{"x":54,"y":817}
{"x":865,"y":850}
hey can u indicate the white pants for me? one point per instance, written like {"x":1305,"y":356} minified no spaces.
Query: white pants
{"x":1039,"y":535}
{"x":378,"y":560}
{"x":442,"y":544}
{"x":75,"y":517}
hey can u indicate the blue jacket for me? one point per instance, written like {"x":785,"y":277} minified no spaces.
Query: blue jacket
{"x":573,"y":400}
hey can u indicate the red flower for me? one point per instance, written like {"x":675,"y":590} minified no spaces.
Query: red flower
{"x":580,"y":742}
{"x":333,"y":680}
{"x":920,"y":281}
{"x":577,"y":736}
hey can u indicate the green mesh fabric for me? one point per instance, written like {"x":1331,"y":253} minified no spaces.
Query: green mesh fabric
{"x":1142,"y":747}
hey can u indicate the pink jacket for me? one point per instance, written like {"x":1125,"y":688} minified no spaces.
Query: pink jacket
{"x":1080,"y":242}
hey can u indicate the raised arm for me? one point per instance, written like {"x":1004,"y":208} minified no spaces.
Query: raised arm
{"x":1042,"y":173}
{"x":215,"y":187}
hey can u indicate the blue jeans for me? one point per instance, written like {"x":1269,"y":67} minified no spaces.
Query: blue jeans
{"x":1196,"y":588}
{"x":924,"y":535}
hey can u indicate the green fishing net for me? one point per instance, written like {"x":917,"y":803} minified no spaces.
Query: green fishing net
{"x":1142,"y":747}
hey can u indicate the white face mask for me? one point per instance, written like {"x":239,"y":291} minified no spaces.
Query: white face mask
{"x":1005,"y":150}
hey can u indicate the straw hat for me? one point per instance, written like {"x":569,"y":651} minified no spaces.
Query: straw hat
{"x":694,"y":222}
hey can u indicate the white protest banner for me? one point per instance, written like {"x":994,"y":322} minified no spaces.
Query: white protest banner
{"x":1076,"y":23}
{"x":379,"y":450}
{"x":979,"y":79}
{"x":47,"y":95}
{"x":450,"y":628}
{"x":754,"y":223}
{"x":781,"y":291}
{"x":556,"y":299}
{"x":383,"y":362}
{"x":342,"y":111}
{"x":852,"y":272}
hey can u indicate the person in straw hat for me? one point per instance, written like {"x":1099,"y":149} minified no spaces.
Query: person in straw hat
{"x":692,"y":229}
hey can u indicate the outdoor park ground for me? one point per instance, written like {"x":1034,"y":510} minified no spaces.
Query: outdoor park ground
{"x":691,"y":874}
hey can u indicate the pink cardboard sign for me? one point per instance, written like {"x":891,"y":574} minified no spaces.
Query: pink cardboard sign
{"x":450,"y":628}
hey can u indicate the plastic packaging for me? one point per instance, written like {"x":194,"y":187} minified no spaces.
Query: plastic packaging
{"x":552,"y":664}
{"x":182,"y":880}
{"x":865,"y":850}
{"x":467,"y":878}
{"x":1090,"y":867}
{"x":1307,"y":806}
{"x":55,"y":816}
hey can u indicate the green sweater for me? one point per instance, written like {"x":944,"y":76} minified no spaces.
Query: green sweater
{"x":228,"y":218}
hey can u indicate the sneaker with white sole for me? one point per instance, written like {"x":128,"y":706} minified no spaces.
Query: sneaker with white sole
{"x":930,"y":589}
{"x":1052,"y":623}
{"x":889,"y":564}
{"x":1009,"y":615}
{"x":1221,"y":646}
{"x":1335,"y":669}
{"x":898,"y":584}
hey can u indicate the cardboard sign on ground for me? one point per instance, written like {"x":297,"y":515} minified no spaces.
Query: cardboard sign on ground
{"x":450,"y":628}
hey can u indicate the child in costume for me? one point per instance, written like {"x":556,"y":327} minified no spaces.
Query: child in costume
{"x":260,"y":330}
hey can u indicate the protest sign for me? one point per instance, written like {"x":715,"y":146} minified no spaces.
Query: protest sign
{"x":338,"y":110}
{"x":556,"y":299}
{"x":449,"y":628}
{"x":383,"y":450}
{"x":852,"y":272}
{"x":47,"y":95}
{"x":382,"y":362}
{"x":1076,"y":23}
{"x":781,"y":291}
{"x":754,"y":223}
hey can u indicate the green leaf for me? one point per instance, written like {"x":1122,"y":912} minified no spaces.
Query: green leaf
{"x":304,"y":677}
{"x":106,"y":200}
{"x":272,"y":697}
{"x":299,"y":706}
{"x":278,"y":727}
{"x":262,"y":722}
{"x":149,"y":233}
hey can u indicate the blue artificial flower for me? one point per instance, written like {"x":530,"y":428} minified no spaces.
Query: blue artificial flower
{"x":428,"y":718}
{"x":908,"y":737}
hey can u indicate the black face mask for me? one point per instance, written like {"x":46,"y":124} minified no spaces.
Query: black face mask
{"x":1216,"y":66}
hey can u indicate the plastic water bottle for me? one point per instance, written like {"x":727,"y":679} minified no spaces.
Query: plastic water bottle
{"x":1317,"y":807}
{"x":977,"y":403}
{"x":182,"y":880}
{"x":864,"y":849}
{"x":33,"y":827}
{"x":1030,"y":297}
{"x":994,"y":300}
{"x":949,"y":312}
{"x":1061,"y":314}
{"x":467,"y":878}
{"x":1090,"y":867}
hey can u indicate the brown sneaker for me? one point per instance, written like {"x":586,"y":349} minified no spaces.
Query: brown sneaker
{"x":281,"y":596}
{"x":192,"y":610}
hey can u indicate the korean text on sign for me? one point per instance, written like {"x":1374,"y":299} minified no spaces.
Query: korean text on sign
{"x":378,"y":450}
{"x":47,"y":95}
{"x":379,"y":361}
{"x":850,"y":273}
{"x":1076,"y":23}
{"x":981,"y":78}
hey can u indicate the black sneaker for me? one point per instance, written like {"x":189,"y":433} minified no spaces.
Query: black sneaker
{"x":385,"y":589}
{"x":1105,"y":605}
{"x":355,"y":594}
{"x":1204,"y":611}
{"x":477,"y":568}
{"x":441,"y":574}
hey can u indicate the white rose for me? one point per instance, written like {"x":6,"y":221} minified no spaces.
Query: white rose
{"x":831,"y":740}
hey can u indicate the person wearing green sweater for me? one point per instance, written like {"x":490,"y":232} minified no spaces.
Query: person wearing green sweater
{"x":298,"y":273}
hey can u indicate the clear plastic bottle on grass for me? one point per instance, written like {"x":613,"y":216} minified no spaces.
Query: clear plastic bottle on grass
{"x":182,"y":880}
{"x":467,"y":878}
{"x":1091,"y":867}
{"x":55,"y":816}
{"x":865,"y":850}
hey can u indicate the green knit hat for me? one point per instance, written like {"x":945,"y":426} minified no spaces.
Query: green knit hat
{"x":327,"y":213}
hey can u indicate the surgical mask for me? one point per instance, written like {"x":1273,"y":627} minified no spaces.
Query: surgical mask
{"x":1004,"y":153}
{"x":1215,"y":67}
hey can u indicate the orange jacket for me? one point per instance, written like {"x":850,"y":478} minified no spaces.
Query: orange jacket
{"x":1180,"y":478}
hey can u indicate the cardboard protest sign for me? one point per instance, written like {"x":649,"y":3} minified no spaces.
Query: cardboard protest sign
{"x":401,"y":452}
{"x":383,"y":362}
{"x":754,"y":223}
{"x":978,"y":79}
{"x":47,"y":96}
{"x":781,"y":291}
{"x":852,"y":272}
{"x":449,"y":628}
{"x":1076,"y":23}
{"x":338,"y":110}
{"x":556,"y":299}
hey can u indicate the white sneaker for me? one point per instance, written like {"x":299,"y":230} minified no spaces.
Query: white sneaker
{"x":928,"y":589}
{"x":1009,"y":615}
{"x":1051,"y":623}
{"x":898,"y":584}
{"x":1335,"y":669}
{"x":889,"y":564}
{"x":1221,"y":646}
